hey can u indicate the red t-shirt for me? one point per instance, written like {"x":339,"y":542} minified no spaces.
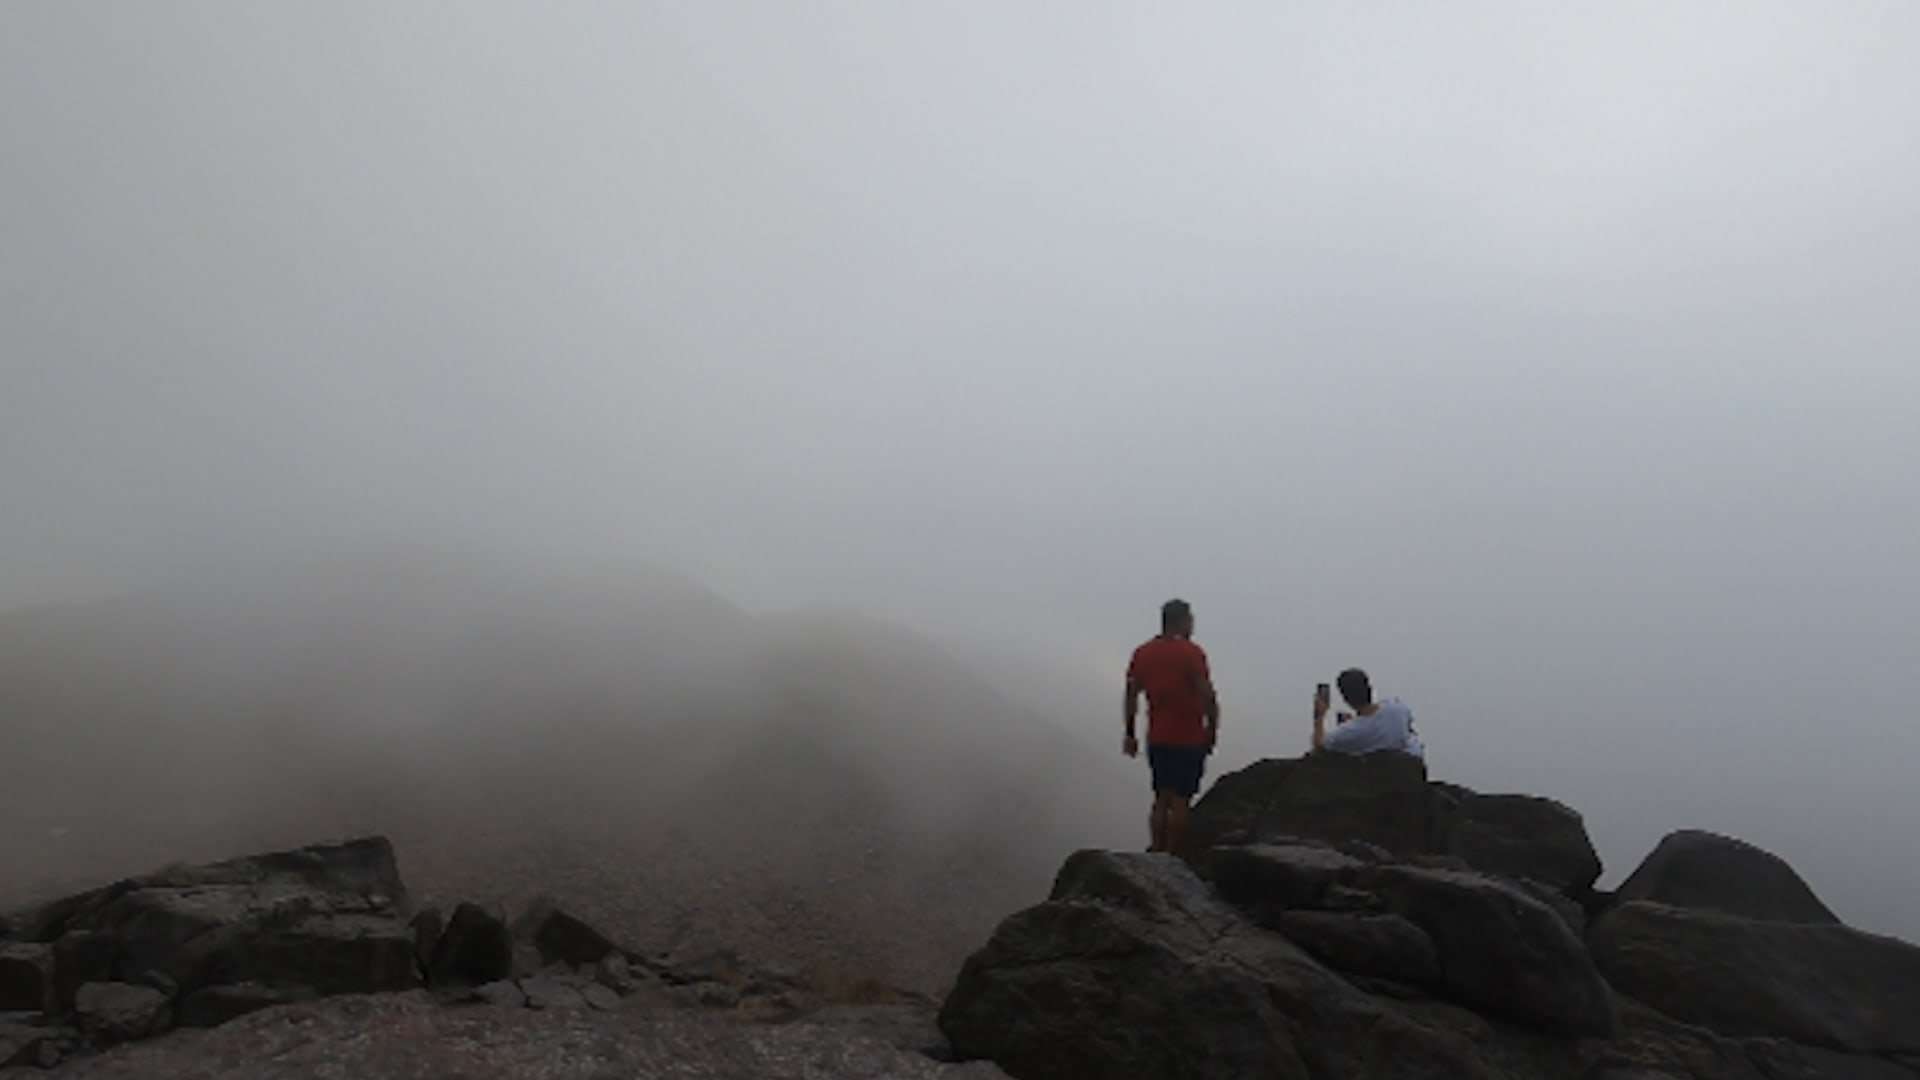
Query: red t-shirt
{"x":1173,"y":672}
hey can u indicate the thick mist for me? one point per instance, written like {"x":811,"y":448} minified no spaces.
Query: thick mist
{"x":1556,"y":366}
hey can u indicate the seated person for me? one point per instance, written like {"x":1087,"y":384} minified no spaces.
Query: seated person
{"x":1373,"y":725}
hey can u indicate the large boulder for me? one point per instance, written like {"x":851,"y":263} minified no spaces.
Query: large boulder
{"x":1266,"y":879}
{"x":1498,"y":948}
{"x":1697,"y":869}
{"x":1364,"y":943}
{"x":474,"y":949}
{"x":1134,"y":968}
{"x":1823,"y":985}
{"x":26,"y":977}
{"x":561,"y":937}
{"x":1501,"y":951}
{"x":1523,"y":836}
{"x":1383,"y":806}
{"x":1382,"y":799}
{"x":327,"y":919}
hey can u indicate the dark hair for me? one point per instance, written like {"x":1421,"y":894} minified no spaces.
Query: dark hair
{"x":1173,"y":613}
{"x":1355,"y":687}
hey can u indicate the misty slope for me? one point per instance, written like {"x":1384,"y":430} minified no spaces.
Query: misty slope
{"x":805,"y":789}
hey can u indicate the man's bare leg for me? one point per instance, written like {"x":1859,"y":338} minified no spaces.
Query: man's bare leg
{"x":1158,"y":822}
{"x":1175,"y":830}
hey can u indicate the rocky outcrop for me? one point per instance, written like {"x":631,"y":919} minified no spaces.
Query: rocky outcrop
{"x":1696,"y":869}
{"x":1407,"y":928}
{"x":1523,"y":836}
{"x":1382,"y":799}
{"x":1494,"y":947}
{"x":1823,"y":985}
{"x":1134,"y":968}
{"x":1501,"y":951}
{"x":1385,"y":802}
{"x":327,"y":919}
{"x":200,"y":946}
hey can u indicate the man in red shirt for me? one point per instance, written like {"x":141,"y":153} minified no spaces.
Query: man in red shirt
{"x":1183,"y":719}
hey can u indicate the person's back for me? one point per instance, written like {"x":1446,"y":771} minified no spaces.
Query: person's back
{"x":1183,"y":719}
{"x":1373,"y":727}
{"x":1172,"y":672}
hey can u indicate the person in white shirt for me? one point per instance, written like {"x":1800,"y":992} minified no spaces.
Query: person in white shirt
{"x":1371,"y":727}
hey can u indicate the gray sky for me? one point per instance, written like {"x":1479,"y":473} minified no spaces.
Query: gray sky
{"x":1555,"y":363}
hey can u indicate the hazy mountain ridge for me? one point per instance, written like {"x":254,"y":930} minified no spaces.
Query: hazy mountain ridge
{"x":793,"y":786}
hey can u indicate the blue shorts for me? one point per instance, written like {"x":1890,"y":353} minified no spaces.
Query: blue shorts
{"x":1177,"y":768}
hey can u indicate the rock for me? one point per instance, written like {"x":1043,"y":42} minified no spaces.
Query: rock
{"x":504,"y":993}
{"x":337,"y":954}
{"x":215,"y":1005}
{"x":600,"y":997}
{"x":1823,"y":985}
{"x":614,"y":973}
{"x":1378,"y":799}
{"x":428,"y":924}
{"x":110,"y":1012}
{"x":1364,"y":944}
{"x":1649,"y":1045}
{"x":26,"y":977}
{"x":159,"y":981}
{"x":326,"y":916}
{"x":560,"y":937}
{"x":1523,"y":836}
{"x":1571,"y":911}
{"x":1781,"y":1060}
{"x":32,"y":1045}
{"x":527,"y":960}
{"x":549,"y":992}
{"x":1697,"y":869}
{"x":475,"y":948}
{"x":1498,"y":948}
{"x":1134,"y":969}
{"x":1263,"y":878}
{"x":1501,"y":951}
{"x":82,"y":956}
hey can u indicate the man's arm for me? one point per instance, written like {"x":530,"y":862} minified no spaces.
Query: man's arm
{"x":1319,"y":722}
{"x":1358,"y":735}
{"x":1131,"y":709}
{"x":1213,"y":708}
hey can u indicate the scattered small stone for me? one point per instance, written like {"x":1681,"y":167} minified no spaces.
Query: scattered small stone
{"x":527,"y":960}
{"x":503,"y":993}
{"x":548,"y":992}
{"x":215,"y":1005}
{"x":716,"y":995}
{"x":112,"y":1012}
{"x":22,"y":1043}
{"x":614,"y":973}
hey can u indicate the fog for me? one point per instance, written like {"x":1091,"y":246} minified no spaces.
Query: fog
{"x":1558,"y":366}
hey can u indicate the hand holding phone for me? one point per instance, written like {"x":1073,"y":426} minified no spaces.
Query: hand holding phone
{"x":1322,"y":697}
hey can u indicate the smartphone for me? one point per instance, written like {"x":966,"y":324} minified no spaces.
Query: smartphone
{"x":1324,"y":691}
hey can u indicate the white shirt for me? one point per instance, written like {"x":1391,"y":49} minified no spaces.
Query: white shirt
{"x":1389,"y":728}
